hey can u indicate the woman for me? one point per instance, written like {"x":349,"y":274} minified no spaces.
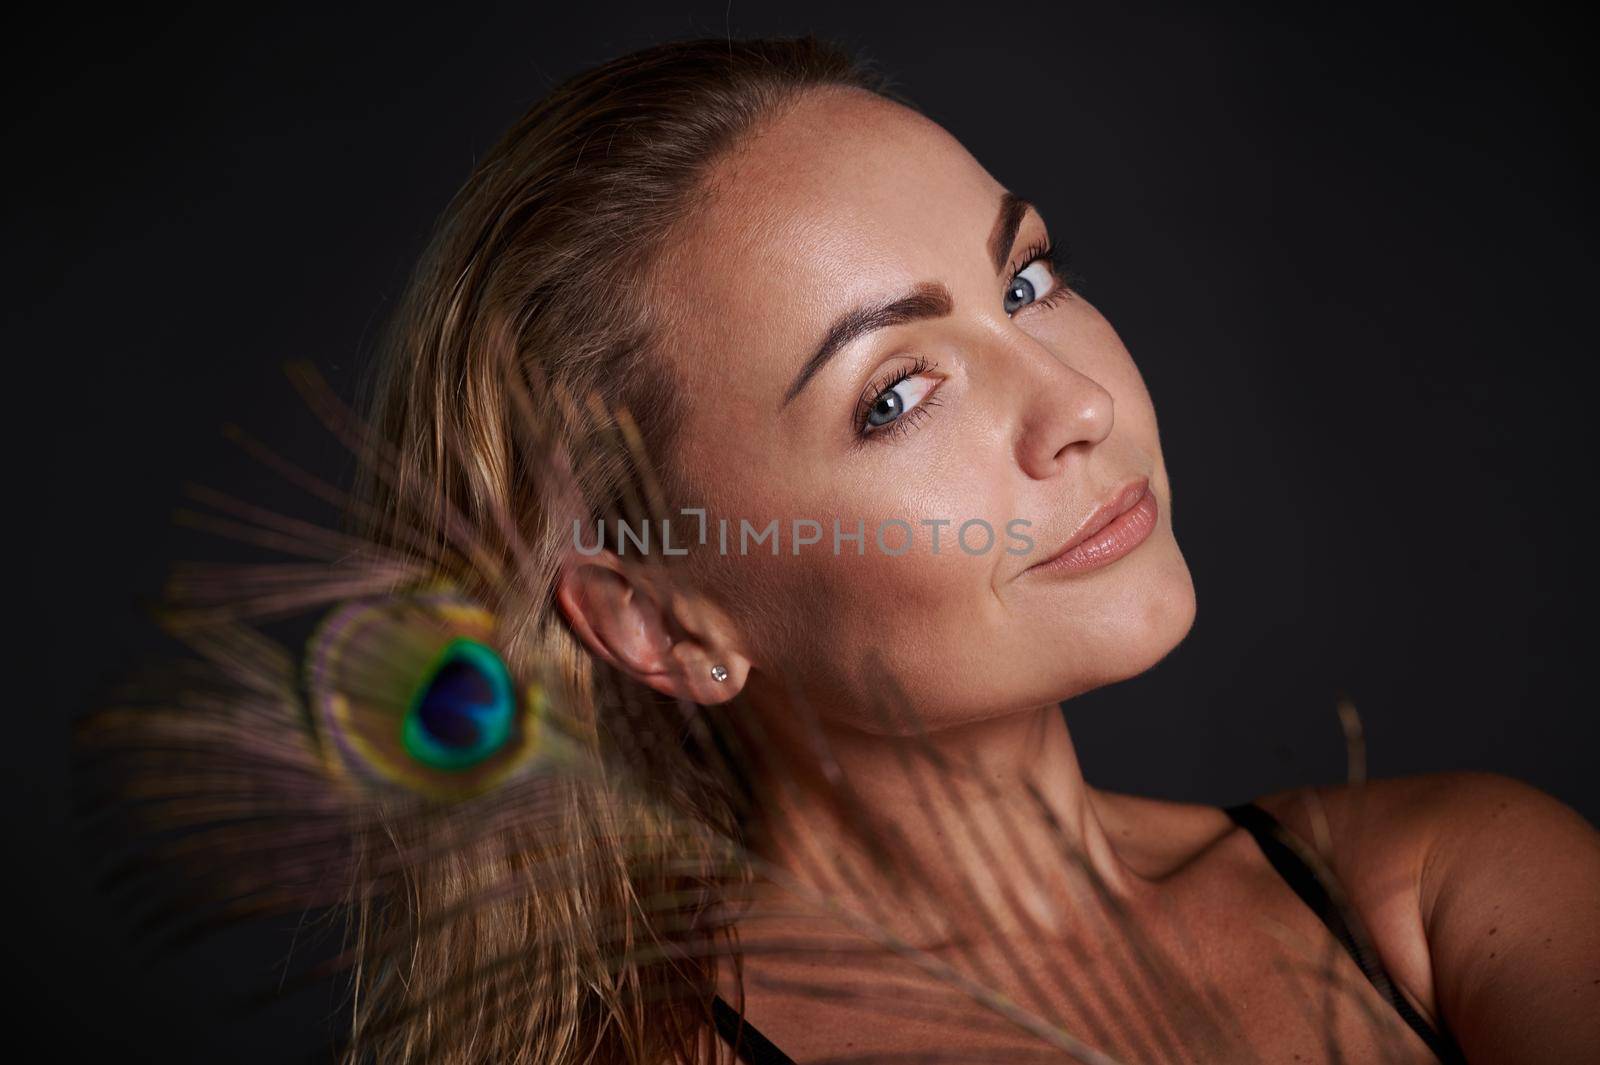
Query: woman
{"x":737,"y":283}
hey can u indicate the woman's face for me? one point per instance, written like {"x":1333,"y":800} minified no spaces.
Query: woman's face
{"x":963,"y":383}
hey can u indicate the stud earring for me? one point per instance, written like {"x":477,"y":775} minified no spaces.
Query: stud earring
{"x":719,"y":673}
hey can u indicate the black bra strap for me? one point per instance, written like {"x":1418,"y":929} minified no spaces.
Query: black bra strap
{"x":749,"y":1045}
{"x":1271,"y":837}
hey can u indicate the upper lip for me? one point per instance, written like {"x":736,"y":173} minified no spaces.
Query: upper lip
{"x":1115,"y":505}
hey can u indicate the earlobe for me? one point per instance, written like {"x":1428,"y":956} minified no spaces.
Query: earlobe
{"x":707,"y":678}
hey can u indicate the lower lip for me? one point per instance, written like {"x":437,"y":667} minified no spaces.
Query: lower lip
{"x":1121,"y":535}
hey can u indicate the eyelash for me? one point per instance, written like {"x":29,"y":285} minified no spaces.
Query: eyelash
{"x":1039,"y":251}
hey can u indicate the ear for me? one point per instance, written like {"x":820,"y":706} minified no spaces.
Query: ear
{"x":664,"y":639}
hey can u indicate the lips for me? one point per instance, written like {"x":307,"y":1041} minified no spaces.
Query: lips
{"x":1116,"y":527}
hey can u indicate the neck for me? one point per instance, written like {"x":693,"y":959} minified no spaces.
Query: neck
{"x":946,"y":836}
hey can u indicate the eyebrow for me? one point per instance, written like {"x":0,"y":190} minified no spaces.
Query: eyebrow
{"x":1013,"y":209}
{"x":929,"y":299}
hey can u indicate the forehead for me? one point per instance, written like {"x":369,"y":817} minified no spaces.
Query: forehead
{"x":845,"y":198}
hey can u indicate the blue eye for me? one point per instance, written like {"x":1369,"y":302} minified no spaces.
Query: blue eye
{"x":886,"y":402}
{"x":1033,"y":282}
{"x":893,"y":402}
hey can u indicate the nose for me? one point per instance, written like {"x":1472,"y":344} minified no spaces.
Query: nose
{"x":1064,"y":412}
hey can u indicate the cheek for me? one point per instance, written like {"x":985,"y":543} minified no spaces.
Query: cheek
{"x":836,"y":621}
{"x":913,"y":627}
{"x":882,"y":584}
{"x":1084,"y":339}
{"x":1109,"y":362}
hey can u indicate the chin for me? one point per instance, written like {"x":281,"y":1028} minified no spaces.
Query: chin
{"x":1145,"y":624}
{"x":1170,"y":615}
{"x":1166,"y":614}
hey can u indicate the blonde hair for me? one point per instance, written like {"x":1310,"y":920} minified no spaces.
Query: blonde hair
{"x":529,"y":305}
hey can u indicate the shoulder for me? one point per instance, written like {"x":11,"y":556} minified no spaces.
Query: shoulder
{"x":1482,"y":894}
{"x":1449,"y":829}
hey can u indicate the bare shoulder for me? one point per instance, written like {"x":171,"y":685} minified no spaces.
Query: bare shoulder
{"x":1445,"y":830}
{"x":1482,"y":894}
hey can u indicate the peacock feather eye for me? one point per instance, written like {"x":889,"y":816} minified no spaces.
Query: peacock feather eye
{"x":464,"y":711}
{"x":410,"y":692}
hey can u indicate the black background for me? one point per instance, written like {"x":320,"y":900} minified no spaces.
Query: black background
{"x":1350,"y":248}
